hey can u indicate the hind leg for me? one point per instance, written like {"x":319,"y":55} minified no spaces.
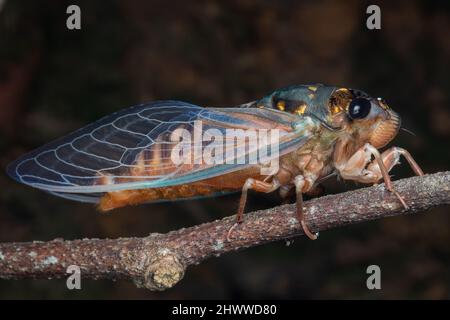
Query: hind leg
{"x":257,"y":185}
{"x":252,"y":184}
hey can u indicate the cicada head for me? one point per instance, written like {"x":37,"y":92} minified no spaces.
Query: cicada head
{"x":370,"y":119}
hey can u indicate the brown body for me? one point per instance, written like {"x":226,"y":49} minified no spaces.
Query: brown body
{"x":320,"y":156}
{"x":226,"y":183}
{"x":313,"y":158}
{"x":348,"y":129}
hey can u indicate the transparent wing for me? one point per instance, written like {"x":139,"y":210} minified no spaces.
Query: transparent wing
{"x":132,"y":149}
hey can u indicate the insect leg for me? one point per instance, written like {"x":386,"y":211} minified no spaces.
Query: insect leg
{"x":384,"y":173}
{"x":360,"y":167}
{"x":256,"y":185}
{"x":302,"y":185}
{"x":391,"y":157}
{"x":287,"y":192}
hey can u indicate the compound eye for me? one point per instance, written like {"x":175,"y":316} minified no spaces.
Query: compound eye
{"x":359,"y":108}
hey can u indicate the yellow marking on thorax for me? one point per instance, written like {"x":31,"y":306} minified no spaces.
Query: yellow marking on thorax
{"x":281,"y":105}
{"x":301,"y":109}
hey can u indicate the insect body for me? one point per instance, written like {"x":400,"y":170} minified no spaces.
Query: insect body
{"x":133,"y":156}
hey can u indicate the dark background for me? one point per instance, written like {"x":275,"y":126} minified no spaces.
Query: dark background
{"x":53,"y":81}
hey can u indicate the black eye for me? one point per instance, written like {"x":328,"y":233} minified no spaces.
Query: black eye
{"x":359,"y":108}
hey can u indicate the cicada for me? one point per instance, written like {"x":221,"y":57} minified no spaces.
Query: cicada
{"x":127,"y":158}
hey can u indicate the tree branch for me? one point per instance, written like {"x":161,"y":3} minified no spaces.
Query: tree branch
{"x":159,"y":261}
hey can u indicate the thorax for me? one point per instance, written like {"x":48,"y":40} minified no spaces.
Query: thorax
{"x":315,"y":158}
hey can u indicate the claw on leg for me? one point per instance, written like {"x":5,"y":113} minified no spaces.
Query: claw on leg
{"x":400,"y":198}
{"x":231,"y":230}
{"x":309,"y":234}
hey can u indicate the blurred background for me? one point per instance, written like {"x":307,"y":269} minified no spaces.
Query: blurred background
{"x":221,"y":53}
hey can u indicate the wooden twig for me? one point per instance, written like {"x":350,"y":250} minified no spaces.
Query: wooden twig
{"x":159,"y":261}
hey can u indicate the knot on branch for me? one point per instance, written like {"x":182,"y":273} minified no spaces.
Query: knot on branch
{"x":163,"y":270}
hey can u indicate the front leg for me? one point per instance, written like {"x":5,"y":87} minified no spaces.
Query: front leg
{"x":390,"y":158}
{"x":360,"y":166}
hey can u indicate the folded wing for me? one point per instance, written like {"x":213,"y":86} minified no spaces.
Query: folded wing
{"x":132,"y":149}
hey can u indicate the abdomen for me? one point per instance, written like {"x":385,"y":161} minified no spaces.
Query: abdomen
{"x":225,"y":183}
